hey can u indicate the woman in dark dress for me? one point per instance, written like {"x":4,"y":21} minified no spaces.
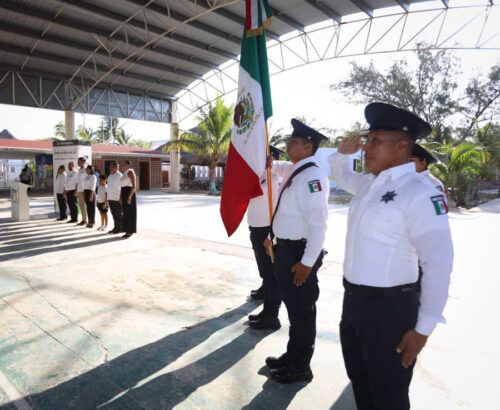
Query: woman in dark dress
{"x":89,"y":193}
{"x":128,"y":200}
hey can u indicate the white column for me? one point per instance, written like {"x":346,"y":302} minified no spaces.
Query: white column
{"x":69,"y":125}
{"x":174,"y":159}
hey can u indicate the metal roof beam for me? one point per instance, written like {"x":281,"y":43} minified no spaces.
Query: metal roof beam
{"x":72,"y":24}
{"x":23,"y":51}
{"x":287,"y":19}
{"x":121,"y":18}
{"x":180,"y":17}
{"x":58,"y":40}
{"x":325,"y":9}
{"x":103,"y":84}
{"x":404,"y":4}
{"x":445,"y":3}
{"x":365,"y":8}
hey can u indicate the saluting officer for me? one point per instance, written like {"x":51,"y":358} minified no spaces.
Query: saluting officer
{"x":299,"y":227}
{"x":397,"y":218}
{"x":422,"y":159}
{"x":260,"y":227}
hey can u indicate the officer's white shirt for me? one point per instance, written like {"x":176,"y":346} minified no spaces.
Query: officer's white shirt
{"x":258,"y":208}
{"x":89,"y":182}
{"x":70,"y":183}
{"x":125,"y":179}
{"x":436,"y":182}
{"x":388,"y":238}
{"x":80,"y":178}
{"x":114,"y":186}
{"x":101,"y":193}
{"x":59,"y":184}
{"x":303,"y":210}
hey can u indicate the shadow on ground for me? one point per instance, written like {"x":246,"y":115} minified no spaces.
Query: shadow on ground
{"x":114,"y":384}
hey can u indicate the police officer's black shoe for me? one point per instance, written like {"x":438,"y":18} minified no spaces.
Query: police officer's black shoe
{"x":254,"y":318}
{"x":290,"y":374}
{"x":277,"y":362}
{"x":258,"y":294}
{"x":266,"y":323}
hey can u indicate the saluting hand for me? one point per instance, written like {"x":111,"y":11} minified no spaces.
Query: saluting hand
{"x":350,"y":145}
{"x":302,"y":272}
{"x":410,"y":346}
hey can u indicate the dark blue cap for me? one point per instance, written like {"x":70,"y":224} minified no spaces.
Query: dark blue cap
{"x":275,"y":152}
{"x":301,"y":130}
{"x":420,"y":152}
{"x":387,"y":117}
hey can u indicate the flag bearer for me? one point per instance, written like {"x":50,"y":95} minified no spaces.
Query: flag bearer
{"x":299,"y":228}
{"x":397,"y":218}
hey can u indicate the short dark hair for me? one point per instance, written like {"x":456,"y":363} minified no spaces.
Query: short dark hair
{"x":91,"y":169}
{"x":113,"y":164}
{"x":61,"y":167}
{"x":82,"y":159}
{"x":103,"y":176}
{"x":127,"y":162}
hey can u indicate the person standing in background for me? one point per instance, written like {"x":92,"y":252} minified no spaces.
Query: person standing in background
{"x":70,"y":191}
{"x":80,"y":190}
{"x":89,"y":193}
{"x":59,"y":189}
{"x":128,"y":199}
{"x":102,"y":202}
{"x":114,"y":192}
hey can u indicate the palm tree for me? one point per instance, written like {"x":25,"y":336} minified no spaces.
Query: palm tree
{"x":210,"y":139}
{"x":141,"y":144}
{"x":86,"y":134}
{"x":460,"y":166}
{"x":122,"y":137}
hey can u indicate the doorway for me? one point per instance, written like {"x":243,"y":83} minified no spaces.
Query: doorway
{"x":144,"y":176}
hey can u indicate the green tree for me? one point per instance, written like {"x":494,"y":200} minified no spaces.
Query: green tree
{"x":482,"y":101}
{"x":489,"y":137}
{"x":210,"y":140}
{"x":140,"y":144}
{"x":59,"y":131}
{"x":426,"y":90}
{"x":459,"y":168}
{"x":122,"y":137}
{"x":86,"y":134}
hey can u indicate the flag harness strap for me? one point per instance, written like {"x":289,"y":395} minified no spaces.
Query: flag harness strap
{"x":287,"y":185}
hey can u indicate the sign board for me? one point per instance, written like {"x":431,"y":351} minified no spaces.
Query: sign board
{"x":69,"y":151}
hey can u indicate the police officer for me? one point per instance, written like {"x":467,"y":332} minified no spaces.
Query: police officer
{"x":259,"y":225}
{"x":422,"y":159}
{"x":299,"y":227}
{"x":397,"y":218}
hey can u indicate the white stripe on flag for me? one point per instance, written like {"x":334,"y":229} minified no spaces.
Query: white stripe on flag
{"x":249,"y":139}
{"x":255,"y":13}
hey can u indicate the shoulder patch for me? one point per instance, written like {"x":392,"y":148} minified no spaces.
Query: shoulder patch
{"x":440,"y":205}
{"x":314,"y":186}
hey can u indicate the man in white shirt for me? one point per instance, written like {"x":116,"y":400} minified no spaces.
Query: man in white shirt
{"x":70,"y":190}
{"x":80,"y":178}
{"x":114,"y":191}
{"x":422,"y":159}
{"x":299,"y":229}
{"x":259,"y":224}
{"x":397,"y":218}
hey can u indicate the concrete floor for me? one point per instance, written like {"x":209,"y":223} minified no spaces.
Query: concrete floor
{"x":158,"y":321}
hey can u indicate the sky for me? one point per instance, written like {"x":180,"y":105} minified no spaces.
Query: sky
{"x":303,"y":91}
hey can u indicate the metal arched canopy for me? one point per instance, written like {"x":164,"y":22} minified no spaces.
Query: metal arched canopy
{"x":132,"y":58}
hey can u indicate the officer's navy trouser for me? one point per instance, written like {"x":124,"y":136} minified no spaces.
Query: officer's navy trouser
{"x":300,"y":302}
{"x":272,"y":297}
{"x":370,"y":330}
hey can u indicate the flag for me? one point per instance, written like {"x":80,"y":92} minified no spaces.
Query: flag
{"x":246,"y":160}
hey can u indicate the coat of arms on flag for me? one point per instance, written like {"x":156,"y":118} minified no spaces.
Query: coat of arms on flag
{"x":440,"y":205}
{"x":314,"y":186}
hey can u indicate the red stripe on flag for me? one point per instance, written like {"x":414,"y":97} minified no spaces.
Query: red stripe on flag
{"x":240,"y":185}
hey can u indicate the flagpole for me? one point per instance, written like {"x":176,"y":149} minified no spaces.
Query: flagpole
{"x":269,"y":188}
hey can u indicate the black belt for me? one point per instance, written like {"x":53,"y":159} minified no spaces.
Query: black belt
{"x":372,"y":291}
{"x":290,"y":241}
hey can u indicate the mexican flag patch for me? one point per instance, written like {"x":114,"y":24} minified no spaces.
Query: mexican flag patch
{"x":440,"y":205}
{"x":314,"y":186}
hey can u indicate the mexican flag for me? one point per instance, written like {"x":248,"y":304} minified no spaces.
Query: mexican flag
{"x":246,"y":159}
